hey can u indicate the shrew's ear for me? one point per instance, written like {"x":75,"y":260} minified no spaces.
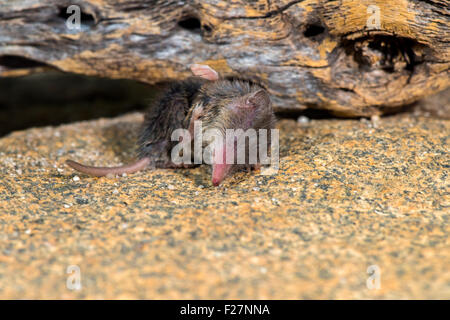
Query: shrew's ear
{"x":205,"y":72}
{"x":259,"y":98}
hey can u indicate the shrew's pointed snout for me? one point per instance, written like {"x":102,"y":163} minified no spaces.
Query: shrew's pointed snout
{"x":220,"y":168}
{"x":220,"y":172}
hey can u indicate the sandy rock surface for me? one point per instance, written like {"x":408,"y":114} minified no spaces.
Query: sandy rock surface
{"x":349,"y":194}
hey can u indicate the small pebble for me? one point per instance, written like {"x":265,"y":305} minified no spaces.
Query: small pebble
{"x":303,"y":120}
{"x":76,"y":178}
{"x":375,"y":120}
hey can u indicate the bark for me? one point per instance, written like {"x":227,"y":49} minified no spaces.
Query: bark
{"x":318,"y":54}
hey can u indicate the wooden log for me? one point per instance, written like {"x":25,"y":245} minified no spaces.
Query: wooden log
{"x":354,"y":58}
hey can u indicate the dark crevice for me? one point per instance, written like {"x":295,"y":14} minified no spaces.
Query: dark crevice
{"x":388,"y":53}
{"x":194,"y":25}
{"x":85,"y":18}
{"x":190,"y":23}
{"x":313,"y":30}
{"x":206,"y":28}
{"x":18,"y":62}
{"x":347,"y":89}
{"x":310,"y":113}
{"x":54,"y":98}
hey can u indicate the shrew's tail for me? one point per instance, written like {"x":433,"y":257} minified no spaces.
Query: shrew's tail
{"x":103,"y":171}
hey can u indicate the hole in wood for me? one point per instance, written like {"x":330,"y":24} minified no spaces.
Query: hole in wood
{"x":18,"y":62}
{"x":206,"y":28}
{"x":313,"y":30}
{"x":85,"y":18}
{"x":190,"y":23}
{"x":388,"y":53}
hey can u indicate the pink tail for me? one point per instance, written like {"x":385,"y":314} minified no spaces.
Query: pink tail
{"x":103,"y":171}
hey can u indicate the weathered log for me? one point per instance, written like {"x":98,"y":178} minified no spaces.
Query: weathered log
{"x":333,"y":55}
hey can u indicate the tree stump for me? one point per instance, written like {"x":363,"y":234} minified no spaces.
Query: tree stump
{"x":354,"y":58}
